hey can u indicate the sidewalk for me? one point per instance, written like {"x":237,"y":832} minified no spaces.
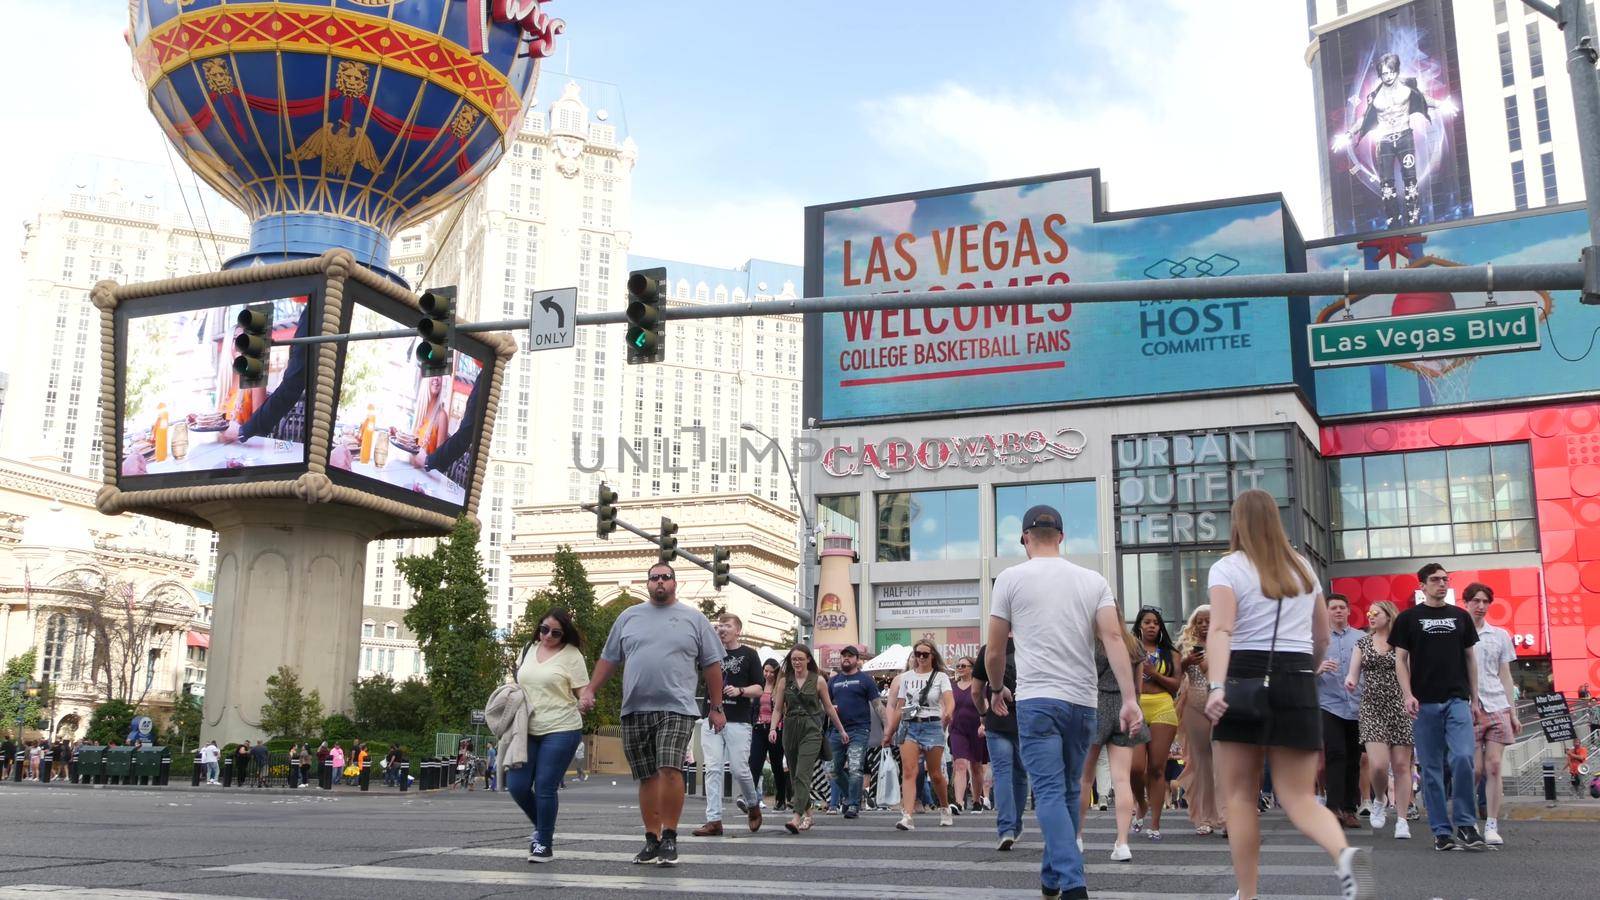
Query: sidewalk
{"x":343,"y":790}
{"x":1568,"y":808}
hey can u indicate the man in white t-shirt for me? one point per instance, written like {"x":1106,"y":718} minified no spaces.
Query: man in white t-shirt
{"x":1495,"y":721}
{"x":1054,"y":610}
{"x":209,"y":754}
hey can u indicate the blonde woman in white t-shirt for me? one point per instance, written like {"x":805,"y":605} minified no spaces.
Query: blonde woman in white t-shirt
{"x":1269,"y":619}
{"x":923,"y":702}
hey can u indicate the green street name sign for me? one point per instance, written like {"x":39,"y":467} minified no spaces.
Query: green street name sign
{"x":1458,"y":332}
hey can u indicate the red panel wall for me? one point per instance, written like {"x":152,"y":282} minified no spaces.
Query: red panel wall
{"x":1517,"y":606}
{"x":1565,"y":447}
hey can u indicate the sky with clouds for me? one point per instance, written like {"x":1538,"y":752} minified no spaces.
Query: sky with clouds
{"x":745,"y":113}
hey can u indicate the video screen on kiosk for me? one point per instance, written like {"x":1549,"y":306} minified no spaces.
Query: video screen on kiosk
{"x":185,"y":418}
{"x":396,"y":431}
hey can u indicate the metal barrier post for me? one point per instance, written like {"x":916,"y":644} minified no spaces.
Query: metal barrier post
{"x":45,"y":760}
{"x":194,"y":777}
{"x":366,"y":774}
{"x":405,"y":777}
{"x":1550,"y":782}
{"x":227,"y":770}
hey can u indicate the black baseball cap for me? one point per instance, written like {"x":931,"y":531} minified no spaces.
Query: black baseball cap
{"x":850,"y":650}
{"x":1041,"y":516}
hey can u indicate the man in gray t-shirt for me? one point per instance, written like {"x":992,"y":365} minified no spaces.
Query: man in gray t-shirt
{"x":665,"y":647}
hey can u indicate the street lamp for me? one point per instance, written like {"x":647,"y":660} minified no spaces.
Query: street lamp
{"x":808,"y":545}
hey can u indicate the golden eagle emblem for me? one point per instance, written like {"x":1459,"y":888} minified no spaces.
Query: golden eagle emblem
{"x":341,"y":150}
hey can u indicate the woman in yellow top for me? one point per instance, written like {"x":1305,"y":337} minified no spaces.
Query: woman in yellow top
{"x":433,"y":422}
{"x":551,"y":672}
{"x":1158,"y":683}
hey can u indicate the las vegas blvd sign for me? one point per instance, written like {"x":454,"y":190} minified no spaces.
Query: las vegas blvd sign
{"x":1456,"y":332}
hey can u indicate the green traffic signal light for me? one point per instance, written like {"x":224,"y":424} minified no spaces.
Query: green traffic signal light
{"x":646,"y":328}
{"x":438,"y":309}
{"x":605,"y":513}
{"x":669,"y":540}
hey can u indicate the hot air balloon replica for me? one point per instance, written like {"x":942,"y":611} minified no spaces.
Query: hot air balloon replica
{"x":332,"y":124}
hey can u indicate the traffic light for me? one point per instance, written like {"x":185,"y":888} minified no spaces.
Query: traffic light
{"x":605,"y":512}
{"x":720,"y":576}
{"x":647,"y":330}
{"x":252,"y":344}
{"x":669,"y":540}
{"x":438,"y":318}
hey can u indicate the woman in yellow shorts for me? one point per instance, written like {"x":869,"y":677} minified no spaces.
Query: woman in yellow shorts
{"x":1158,"y":683}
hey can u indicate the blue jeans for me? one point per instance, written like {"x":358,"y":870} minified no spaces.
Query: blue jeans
{"x":534,"y":785}
{"x":847,"y":762}
{"x":1443,"y":733}
{"x":1010,"y":782}
{"x":1055,"y":739}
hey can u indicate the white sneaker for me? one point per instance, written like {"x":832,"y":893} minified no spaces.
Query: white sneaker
{"x":1356,"y":878}
{"x":1402,"y":829}
{"x":945,"y":819}
{"x":1491,"y":835}
{"x":905,"y":823}
{"x":1378,"y":817}
{"x":1121,"y":853}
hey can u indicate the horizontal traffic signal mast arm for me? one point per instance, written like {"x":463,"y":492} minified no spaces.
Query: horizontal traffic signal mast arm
{"x":1455,"y":279}
{"x":703,"y":563}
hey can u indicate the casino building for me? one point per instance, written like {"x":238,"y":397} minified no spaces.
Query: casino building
{"x":1147,"y":419}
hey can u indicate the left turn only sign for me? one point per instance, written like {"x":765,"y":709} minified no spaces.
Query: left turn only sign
{"x":553,"y":319}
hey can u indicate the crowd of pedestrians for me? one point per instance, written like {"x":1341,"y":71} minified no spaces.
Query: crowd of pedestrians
{"x":40,"y":759}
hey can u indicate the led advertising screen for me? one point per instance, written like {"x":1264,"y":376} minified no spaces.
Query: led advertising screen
{"x":397,"y":431}
{"x":863,"y":364}
{"x":1565,"y":364}
{"x":1391,"y":112}
{"x":184,"y":416}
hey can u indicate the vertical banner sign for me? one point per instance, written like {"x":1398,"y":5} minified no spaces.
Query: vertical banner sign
{"x":1046,"y":232}
{"x":1391,"y":110}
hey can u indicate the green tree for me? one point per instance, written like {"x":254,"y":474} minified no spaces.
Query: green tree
{"x":14,"y":705}
{"x":339,"y":727}
{"x":183,"y":728}
{"x":289,"y":712}
{"x":110,"y":722}
{"x":450,"y":618}
{"x":712,"y":607}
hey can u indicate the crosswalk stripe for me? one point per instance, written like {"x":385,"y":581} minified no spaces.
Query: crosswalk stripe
{"x":910,"y":865}
{"x":38,"y":891}
{"x":654,"y":883}
{"x":812,"y":837}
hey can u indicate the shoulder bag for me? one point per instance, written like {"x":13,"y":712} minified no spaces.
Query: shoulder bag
{"x":1247,"y":697}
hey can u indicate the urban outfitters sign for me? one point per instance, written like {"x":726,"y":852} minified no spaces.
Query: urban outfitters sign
{"x":1177,"y":488}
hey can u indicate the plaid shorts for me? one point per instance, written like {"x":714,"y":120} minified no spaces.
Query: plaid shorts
{"x":655,"y":740}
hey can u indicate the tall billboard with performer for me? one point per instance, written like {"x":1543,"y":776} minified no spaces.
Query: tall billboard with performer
{"x":1047,"y":231}
{"x":1391,"y":108}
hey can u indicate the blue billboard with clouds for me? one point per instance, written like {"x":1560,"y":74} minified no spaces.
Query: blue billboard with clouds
{"x":1564,"y":364}
{"x":866,"y":364}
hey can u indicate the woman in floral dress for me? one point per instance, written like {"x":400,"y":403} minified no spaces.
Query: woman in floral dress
{"x":1384,"y":726}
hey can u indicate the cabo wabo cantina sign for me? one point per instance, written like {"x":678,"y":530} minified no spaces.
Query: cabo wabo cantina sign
{"x":877,"y":363}
{"x":1014,"y":450}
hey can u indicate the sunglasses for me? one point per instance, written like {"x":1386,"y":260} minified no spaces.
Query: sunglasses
{"x":963,"y":665}
{"x":553,"y":632}
{"x":660,"y":577}
{"x":922,"y":654}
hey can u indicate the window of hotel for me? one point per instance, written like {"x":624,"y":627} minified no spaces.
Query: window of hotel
{"x":1433,"y":503}
{"x":1535,"y":51}
{"x":840,"y":515}
{"x":1075,"y":500}
{"x":925,"y":525}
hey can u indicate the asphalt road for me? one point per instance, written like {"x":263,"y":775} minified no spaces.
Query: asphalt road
{"x":93,"y":842}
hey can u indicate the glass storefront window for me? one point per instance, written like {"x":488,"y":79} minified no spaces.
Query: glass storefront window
{"x":925,"y":525}
{"x":840,"y":515}
{"x":1147,"y":581}
{"x":1075,"y":500}
{"x":1433,"y":503}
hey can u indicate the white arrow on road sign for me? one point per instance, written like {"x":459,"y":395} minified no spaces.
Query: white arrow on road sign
{"x":553,"y":319}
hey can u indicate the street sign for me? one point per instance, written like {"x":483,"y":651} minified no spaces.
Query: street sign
{"x":1555,"y":717}
{"x":553,"y":319}
{"x":1457,"y":332}
{"x":478,"y":717}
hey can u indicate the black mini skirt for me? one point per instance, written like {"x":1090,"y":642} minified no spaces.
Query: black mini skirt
{"x":1296,"y":717}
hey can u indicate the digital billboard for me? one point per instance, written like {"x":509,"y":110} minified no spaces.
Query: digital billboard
{"x":863,"y":364}
{"x":1391,"y":113}
{"x":183,"y":416}
{"x":397,"y":431}
{"x":1563,"y":365}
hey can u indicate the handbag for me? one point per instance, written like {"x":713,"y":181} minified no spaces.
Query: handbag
{"x":1247,"y":698}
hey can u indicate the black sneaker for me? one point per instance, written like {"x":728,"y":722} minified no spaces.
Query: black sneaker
{"x":539,"y":853}
{"x":1468,"y":837}
{"x":850,"y":812}
{"x":668,"y":853}
{"x":650,"y":853}
{"x":1050,"y":893}
{"x":1445,"y":842}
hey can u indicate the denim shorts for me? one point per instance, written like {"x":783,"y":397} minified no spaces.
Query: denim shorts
{"x":927,"y":735}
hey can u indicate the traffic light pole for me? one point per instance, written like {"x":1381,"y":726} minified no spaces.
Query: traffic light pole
{"x":804,"y":617}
